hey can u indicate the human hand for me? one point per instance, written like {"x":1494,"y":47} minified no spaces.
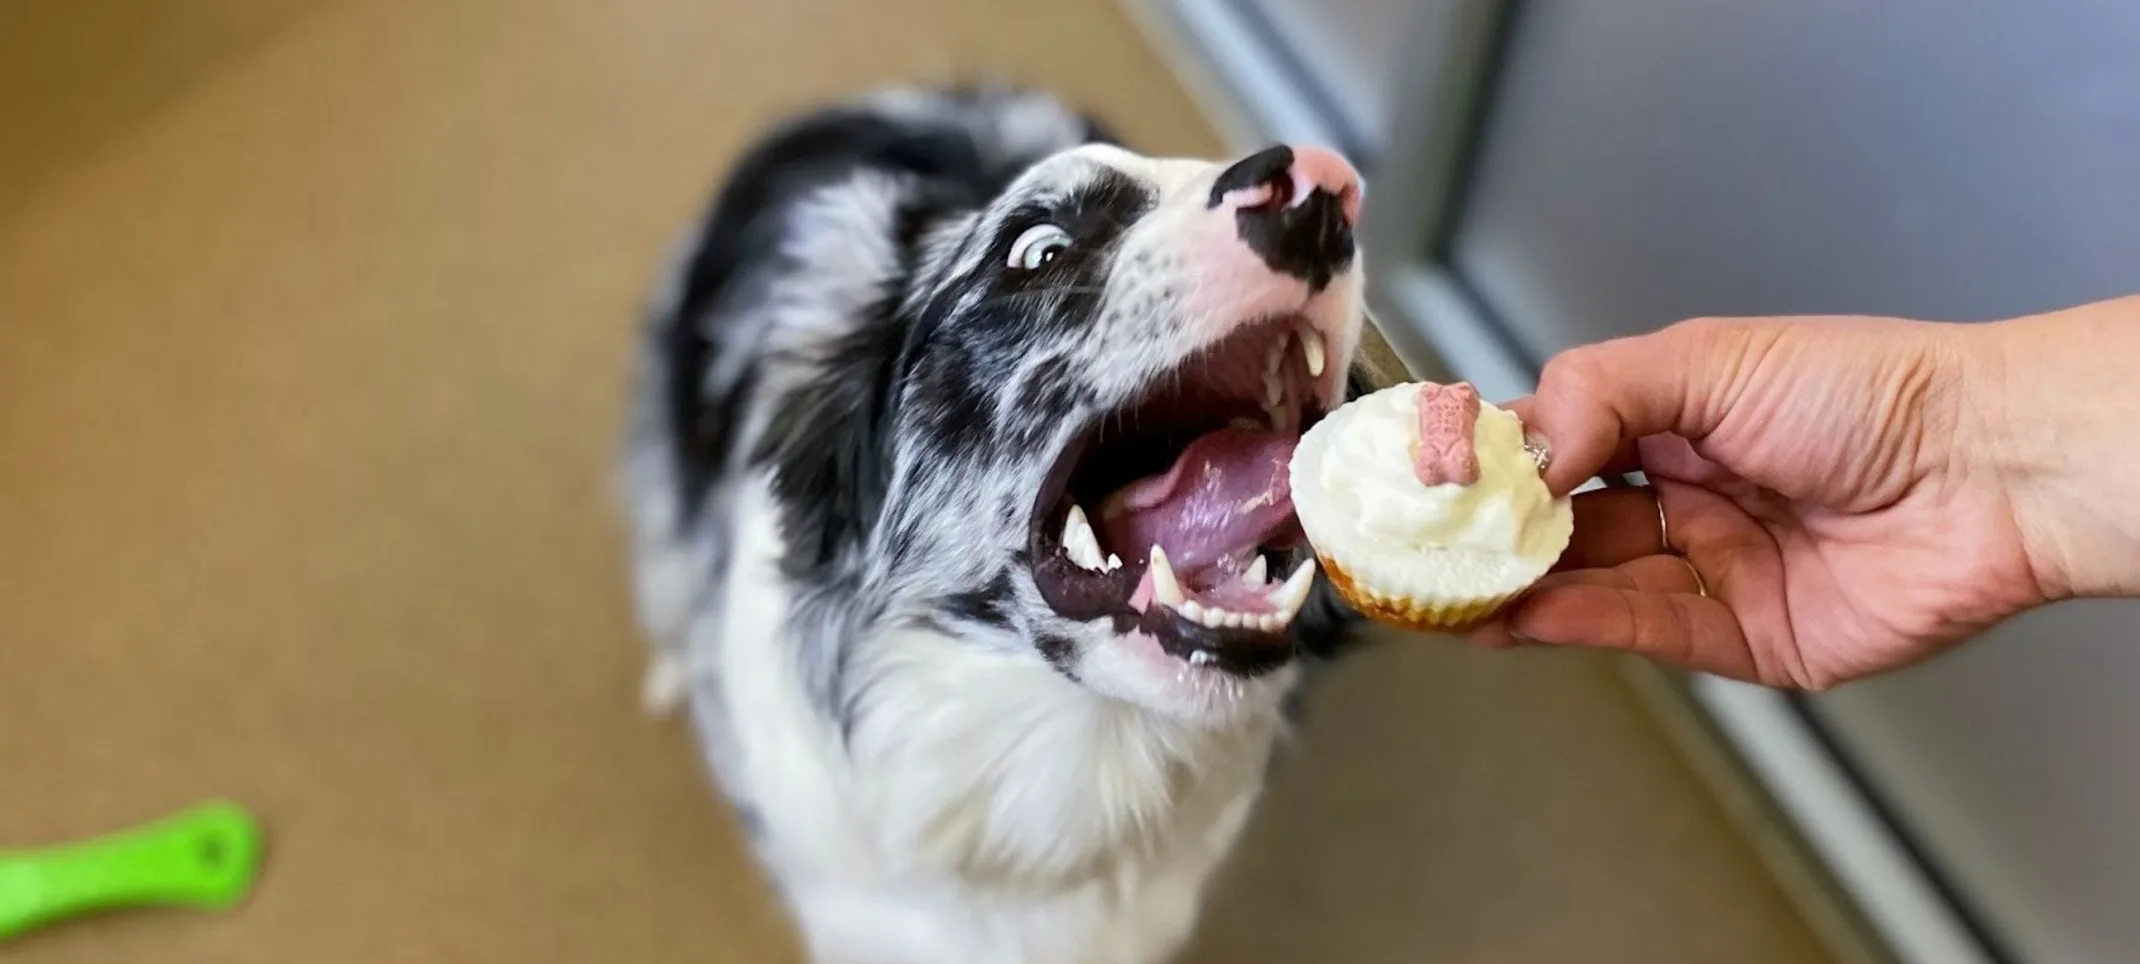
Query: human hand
{"x":1844,"y":496}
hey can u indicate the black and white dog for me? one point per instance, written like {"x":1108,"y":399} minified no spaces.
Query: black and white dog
{"x":958,"y":475}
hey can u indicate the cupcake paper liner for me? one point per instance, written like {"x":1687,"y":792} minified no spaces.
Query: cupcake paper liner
{"x":1412,"y":612}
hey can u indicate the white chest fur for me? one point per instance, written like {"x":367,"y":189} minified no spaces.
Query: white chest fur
{"x":982,"y":807}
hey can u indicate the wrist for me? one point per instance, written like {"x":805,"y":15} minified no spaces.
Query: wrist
{"x":2052,"y":419}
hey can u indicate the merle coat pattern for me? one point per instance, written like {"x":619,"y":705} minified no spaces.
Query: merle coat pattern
{"x":844,"y":409}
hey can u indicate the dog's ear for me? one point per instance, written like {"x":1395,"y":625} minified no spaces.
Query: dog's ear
{"x":821,"y":196}
{"x":828,"y":440}
{"x":827,"y":448}
{"x":857,"y":191}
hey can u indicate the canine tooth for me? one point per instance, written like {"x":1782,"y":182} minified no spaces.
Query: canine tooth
{"x":1311,"y":348}
{"x":1165,"y":587}
{"x":1295,"y":591}
{"x":1258,"y":572}
{"x":1273,"y":390}
{"x":1079,"y":541}
{"x":1275,"y":357}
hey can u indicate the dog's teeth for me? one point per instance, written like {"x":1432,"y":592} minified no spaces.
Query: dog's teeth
{"x":1191,"y":610}
{"x":1216,"y":618}
{"x":1079,"y":541}
{"x":1074,"y":527}
{"x":1165,"y":587}
{"x":1201,"y":657}
{"x":1114,"y":562}
{"x":1258,"y":573}
{"x":1311,"y":349}
{"x":1274,"y":407}
{"x":1294,"y":593}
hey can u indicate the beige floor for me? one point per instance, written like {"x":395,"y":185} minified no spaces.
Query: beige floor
{"x":312,"y":320}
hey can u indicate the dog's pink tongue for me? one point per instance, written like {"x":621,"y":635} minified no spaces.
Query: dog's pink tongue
{"x":1227,"y":492}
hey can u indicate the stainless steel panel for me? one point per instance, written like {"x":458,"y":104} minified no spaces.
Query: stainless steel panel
{"x":1949,"y":158}
{"x":1354,"y":49}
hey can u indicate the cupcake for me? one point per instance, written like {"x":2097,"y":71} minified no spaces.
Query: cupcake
{"x":1425,"y":505}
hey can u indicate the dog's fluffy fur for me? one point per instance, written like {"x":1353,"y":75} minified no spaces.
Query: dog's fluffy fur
{"x":847,"y":403}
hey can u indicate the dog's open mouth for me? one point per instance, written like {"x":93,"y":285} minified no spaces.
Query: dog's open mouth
{"x":1174,"y":516}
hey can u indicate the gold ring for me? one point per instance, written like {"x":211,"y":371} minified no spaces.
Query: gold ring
{"x":1664,"y":535}
{"x":1701,"y":587}
{"x":1664,"y":528}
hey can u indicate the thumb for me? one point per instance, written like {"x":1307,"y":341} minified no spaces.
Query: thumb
{"x":1594,"y":401}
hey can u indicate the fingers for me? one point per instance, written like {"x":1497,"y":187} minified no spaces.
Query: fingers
{"x":1604,"y":593}
{"x":1612,"y":526}
{"x":1627,"y":608}
{"x":1621,"y":461}
{"x":1617,"y":588}
{"x":1595,"y":401}
{"x":1616,"y":525}
{"x":1673,"y":457}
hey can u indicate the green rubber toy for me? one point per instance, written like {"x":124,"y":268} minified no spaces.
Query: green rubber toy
{"x":205,"y":857}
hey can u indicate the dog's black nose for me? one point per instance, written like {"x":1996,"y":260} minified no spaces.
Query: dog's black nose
{"x":1295,"y":207}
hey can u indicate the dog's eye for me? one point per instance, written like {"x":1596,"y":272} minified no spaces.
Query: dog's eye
{"x":1038,"y":246}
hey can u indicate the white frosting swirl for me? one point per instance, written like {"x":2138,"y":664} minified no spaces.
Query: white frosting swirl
{"x":1357,"y":469}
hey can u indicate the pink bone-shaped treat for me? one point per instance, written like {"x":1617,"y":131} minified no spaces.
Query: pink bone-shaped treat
{"x":1448,"y":417}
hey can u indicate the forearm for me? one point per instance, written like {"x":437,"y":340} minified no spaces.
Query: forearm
{"x":2054,"y":404}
